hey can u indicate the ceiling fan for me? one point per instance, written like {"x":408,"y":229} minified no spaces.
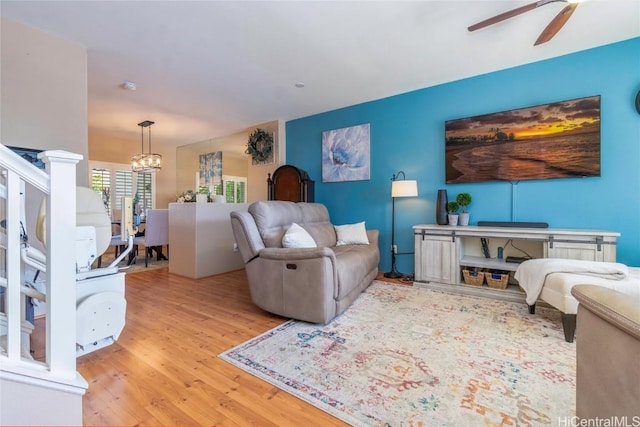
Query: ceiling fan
{"x":554,"y":26}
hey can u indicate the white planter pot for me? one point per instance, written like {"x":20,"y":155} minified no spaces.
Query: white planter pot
{"x":464,"y":218}
{"x":201,"y":198}
{"x":453,"y":219}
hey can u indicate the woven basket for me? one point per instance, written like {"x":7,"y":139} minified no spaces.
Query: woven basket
{"x":475,"y":278}
{"x":497,"y":280}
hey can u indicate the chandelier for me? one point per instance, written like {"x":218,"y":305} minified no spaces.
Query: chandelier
{"x":146,"y":162}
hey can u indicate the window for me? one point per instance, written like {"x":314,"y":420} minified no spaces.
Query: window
{"x":123,"y":186}
{"x":217,"y":190}
{"x":241,"y":191}
{"x":143,"y":189}
{"x":101,"y":184}
{"x":114,"y":181}
{"x":234,"y":189}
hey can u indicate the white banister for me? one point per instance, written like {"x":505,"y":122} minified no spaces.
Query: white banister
{"x":26,"y":171}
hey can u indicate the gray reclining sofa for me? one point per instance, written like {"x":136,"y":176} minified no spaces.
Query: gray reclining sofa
{"x":310,"y":284}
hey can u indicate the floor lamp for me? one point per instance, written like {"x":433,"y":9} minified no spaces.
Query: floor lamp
{"x":399,"y":188}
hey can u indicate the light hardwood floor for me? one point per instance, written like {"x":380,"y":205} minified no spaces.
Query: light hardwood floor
{"x":164,"y":369}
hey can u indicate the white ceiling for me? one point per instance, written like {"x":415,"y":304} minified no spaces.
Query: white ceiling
{"x":205,"y":69}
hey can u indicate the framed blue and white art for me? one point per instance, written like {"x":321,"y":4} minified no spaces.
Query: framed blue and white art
{"x":210,"y":169}
{"x":346,"y":154}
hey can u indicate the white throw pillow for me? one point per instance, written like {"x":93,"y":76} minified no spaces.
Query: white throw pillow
{"x":297,"y":237}
{"x":351,"y":234}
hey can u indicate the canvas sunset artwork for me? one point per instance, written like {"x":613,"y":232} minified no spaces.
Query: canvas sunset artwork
{"x":556,"y":140}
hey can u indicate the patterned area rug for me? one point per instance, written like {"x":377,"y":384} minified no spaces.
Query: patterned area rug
{"x":138,"y":265}
{"x":406,"y":356}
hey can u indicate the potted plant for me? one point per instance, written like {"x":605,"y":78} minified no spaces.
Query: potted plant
{"x":186,"y":197}
{"x":464,"y":200}
{"x":452,"y":208}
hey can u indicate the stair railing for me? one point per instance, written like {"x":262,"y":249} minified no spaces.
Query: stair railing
{"x":58,"y":183}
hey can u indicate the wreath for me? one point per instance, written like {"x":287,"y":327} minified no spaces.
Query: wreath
{"x":260,"y":145}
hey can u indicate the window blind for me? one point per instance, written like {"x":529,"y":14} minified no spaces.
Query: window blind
{"x":143,"y":188}
{"x":101,"y":184}
{"x":123,"y":186}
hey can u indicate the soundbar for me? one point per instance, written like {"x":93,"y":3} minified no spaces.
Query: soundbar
{"x":516,"y":259}
{"x":515,"y":224}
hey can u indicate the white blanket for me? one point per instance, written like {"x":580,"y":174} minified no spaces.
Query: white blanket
{"x":532,"y":273}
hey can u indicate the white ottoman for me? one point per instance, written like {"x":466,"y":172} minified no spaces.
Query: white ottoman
{"x":557,"y":293}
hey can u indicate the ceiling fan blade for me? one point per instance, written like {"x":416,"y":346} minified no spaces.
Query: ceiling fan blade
{"x":511,"y":13}
{"x":556,"y":24}
{"x":506,"y":15}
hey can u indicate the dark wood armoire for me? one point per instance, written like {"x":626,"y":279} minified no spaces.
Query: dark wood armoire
{"x":290,"y":183}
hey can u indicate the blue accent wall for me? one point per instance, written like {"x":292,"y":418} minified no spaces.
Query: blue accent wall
{"x":407,"y":133}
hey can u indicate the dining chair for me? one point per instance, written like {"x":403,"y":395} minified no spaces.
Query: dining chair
{"x":156,"y":233}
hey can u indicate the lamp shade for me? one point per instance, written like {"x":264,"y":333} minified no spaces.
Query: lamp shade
{"x":146,"y":162}
{"x":404,"y":188}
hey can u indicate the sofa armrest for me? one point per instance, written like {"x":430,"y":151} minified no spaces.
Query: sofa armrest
{"x":372,"y":235}
{"x":245,"y":232}
{"x":620,"y":310}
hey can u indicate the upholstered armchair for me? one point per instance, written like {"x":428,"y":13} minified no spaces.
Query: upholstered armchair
{"x":608,"y":354}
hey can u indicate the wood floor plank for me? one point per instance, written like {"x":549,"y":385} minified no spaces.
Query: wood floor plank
{"x":164,"y":369}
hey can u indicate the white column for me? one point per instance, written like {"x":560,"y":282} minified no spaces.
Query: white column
{"x":61,"y":267}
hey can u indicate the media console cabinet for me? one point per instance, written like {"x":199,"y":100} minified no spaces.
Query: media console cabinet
{"x":442,"y":251}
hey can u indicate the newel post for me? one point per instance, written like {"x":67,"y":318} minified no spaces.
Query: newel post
{"x":61,"y":265}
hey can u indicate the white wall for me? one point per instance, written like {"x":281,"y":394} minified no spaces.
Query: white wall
{"x":43,"y":99}
{"x":30,"y":404}
{"x":43,"y":92}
